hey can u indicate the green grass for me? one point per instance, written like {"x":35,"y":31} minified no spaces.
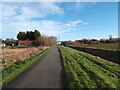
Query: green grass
{"x":106,"y":46}
{"x":87,"y":71}
{"x":13,"y":71}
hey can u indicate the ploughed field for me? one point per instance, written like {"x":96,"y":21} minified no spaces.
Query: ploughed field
{"x":13,"y":55}
{"x":104,"y":46}
{"x":84,"y":70}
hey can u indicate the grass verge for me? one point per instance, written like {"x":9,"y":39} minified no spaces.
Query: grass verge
{"x":87,"y":71}
{"x":13,"y":71}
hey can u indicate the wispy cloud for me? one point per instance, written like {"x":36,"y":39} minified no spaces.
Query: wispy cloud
{"x":9,"y":10}
{"x":28,"y":11}
{"x":48,"y":27}
{"x":51,"y":8}
{"x":20,"y":17}
{"x":80,"y":6}
{"x":77,"y":22}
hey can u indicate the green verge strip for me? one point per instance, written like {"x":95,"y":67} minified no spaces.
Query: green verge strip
{"x":13,"y":71}
{"x":98,"y":70}
{"x":89,"y":70}
{"x":112,"y":67}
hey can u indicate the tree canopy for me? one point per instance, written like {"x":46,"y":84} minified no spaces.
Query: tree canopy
{"x":39,"y":40}
{"x":29,"y":35}
{"x":21,"y":36}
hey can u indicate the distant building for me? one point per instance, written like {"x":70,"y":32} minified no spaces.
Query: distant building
{"x":25,"y":43}
{"x":2,"y":44}
{"x":58,"y":42}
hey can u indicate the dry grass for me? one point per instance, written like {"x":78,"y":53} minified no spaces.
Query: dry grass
{"x":11,"y":56}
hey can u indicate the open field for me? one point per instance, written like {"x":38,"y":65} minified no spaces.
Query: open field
{"x":13,"y":55}
{"x":87,"y":71}
{"x":14,"y":70}
{"x":106,"y":46}
{"x":112,"y":56}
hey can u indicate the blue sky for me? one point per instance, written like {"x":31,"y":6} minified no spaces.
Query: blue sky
{"x":69,"y":20}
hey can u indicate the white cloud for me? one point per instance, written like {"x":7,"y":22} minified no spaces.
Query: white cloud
{"x":47,"y":27}
{"x":80,"y":6}
{"x":20,"y":17}
{"x":51,"y":8}
{"x":27,"y":11}
{"x":74,"y":23}
{"x":9,"y":10}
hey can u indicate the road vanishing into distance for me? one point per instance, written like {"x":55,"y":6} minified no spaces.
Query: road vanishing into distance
{"x":47,"y":72}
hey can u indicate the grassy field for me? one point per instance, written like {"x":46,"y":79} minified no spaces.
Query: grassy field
{"x":12,"y":55}
{"x":13,"y":71}
{"x":111,"y":46}
{"x":87,"y":71}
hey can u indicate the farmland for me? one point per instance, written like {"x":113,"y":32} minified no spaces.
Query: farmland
{"x":103,"y":46}
{"x":13,"y":55}
{"x":84,"y":70}
{"x":110,"y":52}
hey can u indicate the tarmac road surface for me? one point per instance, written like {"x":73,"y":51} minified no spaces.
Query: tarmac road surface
{"x":47,"y":72}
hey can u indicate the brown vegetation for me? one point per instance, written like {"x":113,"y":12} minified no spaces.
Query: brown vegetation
{"x":10,"y":56}
{"x":46,"y":41}
{"x":91,"y":41}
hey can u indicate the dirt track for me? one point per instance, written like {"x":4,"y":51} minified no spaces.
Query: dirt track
{"x":46,"y":73}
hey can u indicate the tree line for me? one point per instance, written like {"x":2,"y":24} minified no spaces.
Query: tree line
{"x":92,"y":41}
{"x":95,"y":41}
{"x":35,"y":36}
{"x":28,"y":35}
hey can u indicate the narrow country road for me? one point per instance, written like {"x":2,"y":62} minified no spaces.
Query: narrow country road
{"x":45,"y":73}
